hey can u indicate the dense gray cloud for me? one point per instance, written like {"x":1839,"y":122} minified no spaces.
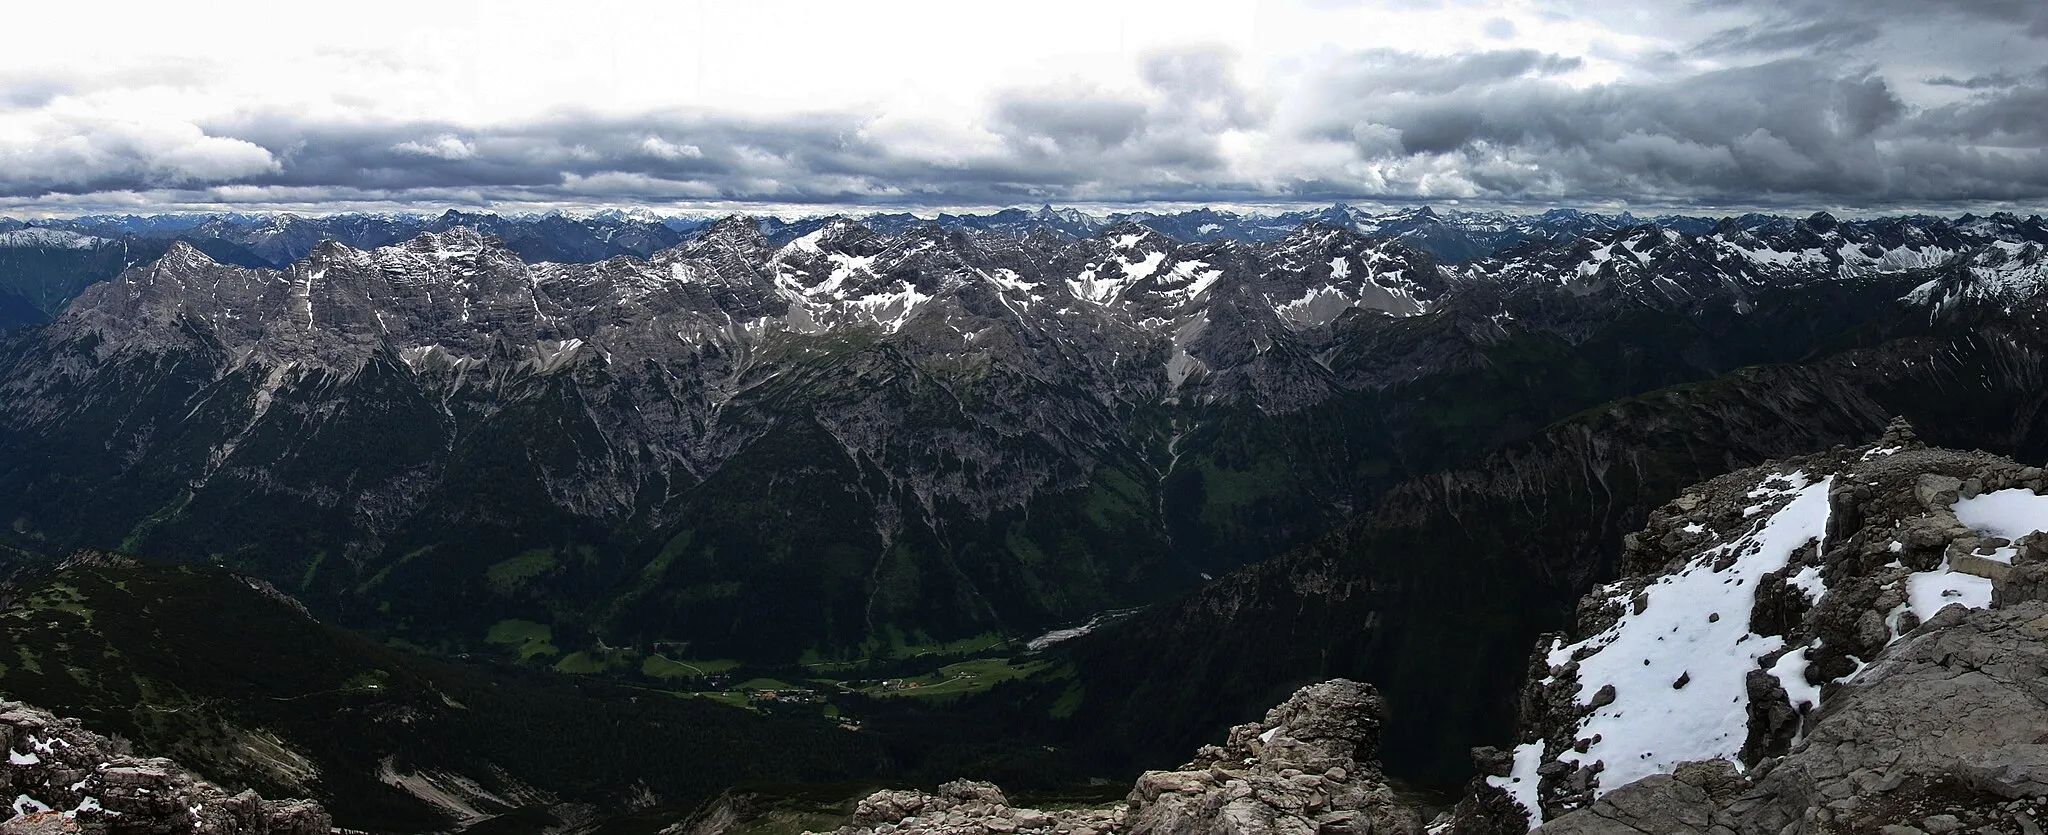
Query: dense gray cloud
{"x":1168,"y":135}
{"x":2027,"y":16}
{"x":1991,"y":81}
{"x":1838,"y":102}
{"x":31,"y":91}
{"x":1783,"y":128}
{"x":1052,"y":120}
{"x":65,"y":154}
{"x":1387,"y":71}
{"x":1788,"y":36}
{"x":2005,"y":111}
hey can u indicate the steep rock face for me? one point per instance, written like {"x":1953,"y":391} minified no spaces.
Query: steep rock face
{"x":1307,"y":768}
{"x":65,"y":779}
{"x":1748,"y":605}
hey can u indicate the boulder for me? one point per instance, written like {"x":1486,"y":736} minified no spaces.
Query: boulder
{"x":1309,"y":767}
{"x":1936,"y":491}
{"x":2027,"y":578}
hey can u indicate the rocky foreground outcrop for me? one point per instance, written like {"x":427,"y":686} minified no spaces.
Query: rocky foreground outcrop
{"x":64,"y":779}
{"x":1308,"y":767}
{"x":1943,"y":734}
{"x":1848,"y":642}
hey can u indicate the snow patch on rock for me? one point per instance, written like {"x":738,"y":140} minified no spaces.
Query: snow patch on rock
{"x":1666,"y":680}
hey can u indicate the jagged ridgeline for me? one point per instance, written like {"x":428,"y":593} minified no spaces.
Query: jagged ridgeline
{"x":45,"y":262}
{"x":44,"y":265}
{"x":859,"y":443}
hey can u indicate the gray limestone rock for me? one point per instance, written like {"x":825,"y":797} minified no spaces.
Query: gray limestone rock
{"x":1307,"y":768}
{"x":1936,"y":491}
{"x":1276,"y":776}
{"x":2027,"y":578}
{"x":1686,"y":802}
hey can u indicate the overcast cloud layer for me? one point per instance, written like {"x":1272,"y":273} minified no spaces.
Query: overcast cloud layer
{"x":1845,"y":103}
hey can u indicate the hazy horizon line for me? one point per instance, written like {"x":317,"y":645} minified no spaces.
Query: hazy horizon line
{"x":805,"y":211}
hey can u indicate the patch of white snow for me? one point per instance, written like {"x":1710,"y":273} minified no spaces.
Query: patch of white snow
{"x":25,"y":806}
{"x":1678,"y":666}
{"x":2010,"y":514}
{"x":1928,"y":592}
{"x":1791,"y":674}
{"x":1520,"y":783}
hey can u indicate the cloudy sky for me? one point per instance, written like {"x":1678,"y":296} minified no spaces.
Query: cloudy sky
{"x":428,"y":103}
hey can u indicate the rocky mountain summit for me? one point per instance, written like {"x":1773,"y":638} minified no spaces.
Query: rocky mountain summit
{"x":65,"y":779}
{"x":1308,"y":767}
{"x":1849,"y":641}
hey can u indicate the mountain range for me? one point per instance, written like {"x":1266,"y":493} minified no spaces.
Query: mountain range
{"x":44,"y":262}
{"x":1304,"y":447}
